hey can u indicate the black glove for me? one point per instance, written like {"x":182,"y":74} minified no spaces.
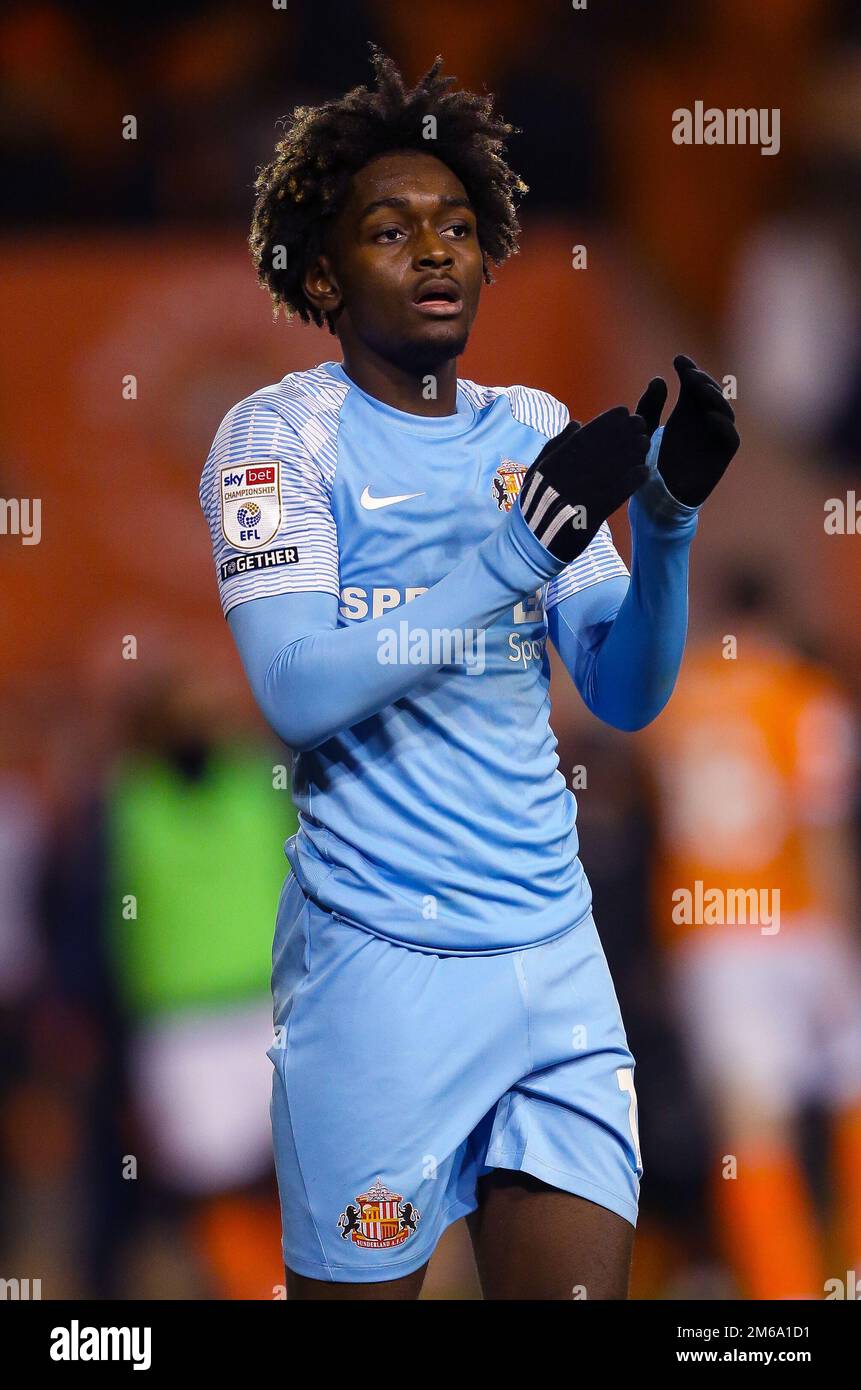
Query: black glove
{"x":699,"y":438}
{"x":581,"y":477}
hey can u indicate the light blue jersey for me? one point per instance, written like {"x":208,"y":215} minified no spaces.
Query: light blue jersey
{"x":442,"y":820}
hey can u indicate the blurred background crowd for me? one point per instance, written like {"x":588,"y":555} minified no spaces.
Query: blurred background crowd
{"x":143,"y":803}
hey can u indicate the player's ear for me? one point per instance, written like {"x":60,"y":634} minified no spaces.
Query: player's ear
{"x":321,"y":286}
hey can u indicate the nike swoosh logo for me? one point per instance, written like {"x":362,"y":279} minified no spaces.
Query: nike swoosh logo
{"x":372,"y":503}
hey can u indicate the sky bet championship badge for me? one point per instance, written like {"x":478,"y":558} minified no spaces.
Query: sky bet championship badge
{"x":380,"y":1219}
{"x":507,"y":482}
{"x":250,"y":504}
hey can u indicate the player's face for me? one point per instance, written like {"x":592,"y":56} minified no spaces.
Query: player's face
{"x":407,"y":222}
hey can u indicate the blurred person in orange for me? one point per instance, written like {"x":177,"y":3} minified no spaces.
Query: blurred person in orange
{"x":754,"y":765}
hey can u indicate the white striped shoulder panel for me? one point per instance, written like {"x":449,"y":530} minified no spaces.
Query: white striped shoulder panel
{"x":293,"y":426}
{"x":529,"y":406}
{"x":600,"y":560}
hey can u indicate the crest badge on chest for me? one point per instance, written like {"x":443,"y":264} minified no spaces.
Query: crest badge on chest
{"x":507,"y":482}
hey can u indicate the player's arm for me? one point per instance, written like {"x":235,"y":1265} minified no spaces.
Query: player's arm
{"x":311,"y":677}
{"x":622,"y":641}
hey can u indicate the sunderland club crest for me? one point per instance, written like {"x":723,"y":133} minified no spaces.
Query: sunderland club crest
{"x":379,"y":1218}
{"x":250,"y":503}
{"x":507,"y":482}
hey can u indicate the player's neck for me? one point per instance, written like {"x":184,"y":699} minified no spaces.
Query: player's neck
{"x":431,"y":392}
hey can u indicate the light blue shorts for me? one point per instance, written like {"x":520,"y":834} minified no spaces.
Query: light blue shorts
{"x":402,"y":1076}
